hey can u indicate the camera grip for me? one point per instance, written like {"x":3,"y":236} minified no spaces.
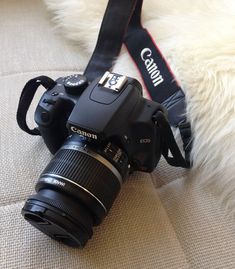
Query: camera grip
{"x":52,"y":138}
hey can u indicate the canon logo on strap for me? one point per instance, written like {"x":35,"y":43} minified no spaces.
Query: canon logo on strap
{"x":83,"y":133}
{"x":151,"y":67}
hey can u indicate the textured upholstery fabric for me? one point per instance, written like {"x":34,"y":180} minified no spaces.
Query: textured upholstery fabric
{"x":176,"y":225}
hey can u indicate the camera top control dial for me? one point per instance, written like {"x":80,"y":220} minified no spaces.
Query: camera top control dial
{"x":75,"y":84}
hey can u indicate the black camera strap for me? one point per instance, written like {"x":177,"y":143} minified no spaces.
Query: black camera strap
{"x":158,"y":77}
{"x":110,"y":39}
{"x":122,"y":24}
{"x":26,"y":98}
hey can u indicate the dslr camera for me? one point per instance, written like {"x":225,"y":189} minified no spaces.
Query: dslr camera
{"x":99,"y":133}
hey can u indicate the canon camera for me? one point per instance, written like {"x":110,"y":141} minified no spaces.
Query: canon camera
{"x":100,"y":132}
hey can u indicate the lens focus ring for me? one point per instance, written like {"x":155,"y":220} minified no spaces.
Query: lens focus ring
{"x":87,"y":172}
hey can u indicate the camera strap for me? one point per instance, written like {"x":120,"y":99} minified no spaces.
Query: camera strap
{"x":26,"y":98}
{"x":122,"y":24}
{"x":110,"y":39}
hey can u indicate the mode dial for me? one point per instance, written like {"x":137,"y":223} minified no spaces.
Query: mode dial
{"x":75,"y":84}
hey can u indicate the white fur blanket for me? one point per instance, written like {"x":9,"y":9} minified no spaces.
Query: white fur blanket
{"x":198,"y":40}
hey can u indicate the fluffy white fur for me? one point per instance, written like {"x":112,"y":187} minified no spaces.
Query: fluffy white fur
{"x":198,"y":40}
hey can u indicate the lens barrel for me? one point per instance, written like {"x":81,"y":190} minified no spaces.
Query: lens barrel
{"x":76,"y":191}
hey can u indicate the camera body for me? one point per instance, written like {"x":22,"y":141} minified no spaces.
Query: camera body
{"x":99,"y":133}
{"x":110,"y":109}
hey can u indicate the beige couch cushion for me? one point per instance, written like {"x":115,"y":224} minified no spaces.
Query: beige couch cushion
{"x":176,"y":226}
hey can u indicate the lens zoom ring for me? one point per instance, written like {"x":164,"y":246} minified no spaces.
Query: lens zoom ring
{"x":87,"y":172}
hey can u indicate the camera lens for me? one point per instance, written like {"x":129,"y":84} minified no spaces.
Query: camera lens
{"x":76,"y":190}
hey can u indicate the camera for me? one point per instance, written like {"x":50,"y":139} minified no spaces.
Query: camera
{"x":99,"y":133}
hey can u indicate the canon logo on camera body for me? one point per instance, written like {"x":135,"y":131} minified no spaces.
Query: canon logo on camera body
{"x":83,"y":133}
{"x":151,"y":67}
